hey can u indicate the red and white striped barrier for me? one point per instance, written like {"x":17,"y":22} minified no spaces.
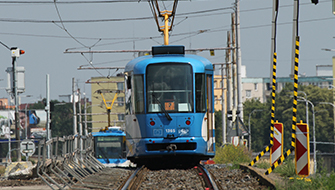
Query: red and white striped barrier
{"x":235,"y":140}
{"x":302,"y":150}
{"x":277,"y":149}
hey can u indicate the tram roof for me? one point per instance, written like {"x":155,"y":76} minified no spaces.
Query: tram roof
{"x":108,"y":134}
{"x":139,"y":65}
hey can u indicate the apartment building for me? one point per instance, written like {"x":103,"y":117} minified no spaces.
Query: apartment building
{"x":261,"y":88}
{"x":108,"y":87}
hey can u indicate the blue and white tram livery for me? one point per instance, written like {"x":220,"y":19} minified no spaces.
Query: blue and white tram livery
{"x":169,"y":107}
{"x":110,"y":147}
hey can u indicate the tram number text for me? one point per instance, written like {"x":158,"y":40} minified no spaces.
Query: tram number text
{"x":170,"y":130}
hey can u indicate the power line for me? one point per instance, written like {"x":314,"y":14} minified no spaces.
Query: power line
{"x":68,"y":2}
{"x":4,"y":45}
{"x":109,"y":20}
{"x":63,"y":26}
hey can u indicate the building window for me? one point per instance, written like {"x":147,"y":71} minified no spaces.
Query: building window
{"x":120,"y":86}
{"x":256,"y":86}
{"x":120,"y":101}
{"x":215,"y":81}
{"x":120,"y":117}
{"x":268,"y":86}
{"x":248,"y":93}
{"x":216,"y":99}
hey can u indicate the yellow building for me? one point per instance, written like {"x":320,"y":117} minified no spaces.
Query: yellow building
{"x":218,"y":93}
{"x":107,"y":88}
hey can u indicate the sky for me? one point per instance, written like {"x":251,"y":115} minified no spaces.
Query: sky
{"x":45,"y":31}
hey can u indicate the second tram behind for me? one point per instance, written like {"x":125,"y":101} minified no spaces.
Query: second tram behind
{"x":169,"y":107}
{"x":110,"y":147}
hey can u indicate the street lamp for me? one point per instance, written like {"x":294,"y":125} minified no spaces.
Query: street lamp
{"x":255,"y":110}
{"x":306,"y":106}
{"x":334,"y":116}
{"x":314,"y":144}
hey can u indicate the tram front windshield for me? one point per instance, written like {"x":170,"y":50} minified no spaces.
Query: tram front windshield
{"x":108,"y":147}
{"x":169,"y":88}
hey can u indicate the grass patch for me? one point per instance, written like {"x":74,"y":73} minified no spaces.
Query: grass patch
{"x":230,"y":154}
{"x":287,"y":168}
{"x":321,"y":181}
{"x":263,"y":164}
{"x":2,"y":170}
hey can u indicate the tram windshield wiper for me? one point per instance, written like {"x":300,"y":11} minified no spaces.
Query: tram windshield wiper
{"x":162,"y":108}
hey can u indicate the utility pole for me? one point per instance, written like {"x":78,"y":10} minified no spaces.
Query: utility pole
{"x":85,"y":117}
{"x":228,"y":93}
{"x":74,"y":114}
{"x":238,"y":59}
{"x":80,"y":124}
{"x":47,"y":109}
{"x":16,"y":52}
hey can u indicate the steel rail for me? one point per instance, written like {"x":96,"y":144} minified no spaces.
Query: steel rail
{"x":209,"y":180}
{"x":132,"y":179}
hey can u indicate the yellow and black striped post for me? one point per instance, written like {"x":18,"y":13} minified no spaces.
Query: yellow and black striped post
{"x":267,"y":148}
{"x":294,"y":117}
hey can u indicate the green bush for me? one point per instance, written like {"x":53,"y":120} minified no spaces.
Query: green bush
{"x":287,"y":168}
{"x":264,"y":164}
{"x":230,"y":154}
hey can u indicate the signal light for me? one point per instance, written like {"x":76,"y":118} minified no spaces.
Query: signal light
{"x":16,"y":52}
{"x":152,"y":123}
{"x":188,"y":122}
{"x":212,"y":52}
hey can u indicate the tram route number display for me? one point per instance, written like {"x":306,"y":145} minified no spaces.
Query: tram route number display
{"x":169,"y":106}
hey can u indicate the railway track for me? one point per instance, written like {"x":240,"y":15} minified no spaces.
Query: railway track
{"x":144,"y":178}
{"x":141,"y":178}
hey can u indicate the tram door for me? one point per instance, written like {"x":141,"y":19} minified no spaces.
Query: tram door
{"x":210,"y":114}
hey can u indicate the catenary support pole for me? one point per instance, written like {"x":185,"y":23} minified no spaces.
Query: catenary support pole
{"x":74,"y":114}
{"x":47,"y":109}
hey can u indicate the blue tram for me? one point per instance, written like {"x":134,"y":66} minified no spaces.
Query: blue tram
{"x":169,"y":107}
{"x":110,"y":147}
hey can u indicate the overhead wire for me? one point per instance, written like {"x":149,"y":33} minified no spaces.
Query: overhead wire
{"x":108,"y":20}
{"x":4,"y":45}
{"x":63,"y":26}
{"x":152,"y":38}
{"x":68,"y":2}
{"x":90,"y":61}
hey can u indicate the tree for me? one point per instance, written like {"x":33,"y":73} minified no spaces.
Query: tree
{"x":62,"y":117}
{"x":218,"y":128}
{"x":260,"y":128}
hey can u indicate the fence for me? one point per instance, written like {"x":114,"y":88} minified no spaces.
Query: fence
{"x":67,"y":163}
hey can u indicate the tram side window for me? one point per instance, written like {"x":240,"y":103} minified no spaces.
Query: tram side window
{"x":200,"y":93}
{"x":138,"y":94}
{"x":128,"y":82}
{"x":128,"y":95}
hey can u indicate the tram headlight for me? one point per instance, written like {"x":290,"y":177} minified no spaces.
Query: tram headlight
{"x":183,"y":132}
